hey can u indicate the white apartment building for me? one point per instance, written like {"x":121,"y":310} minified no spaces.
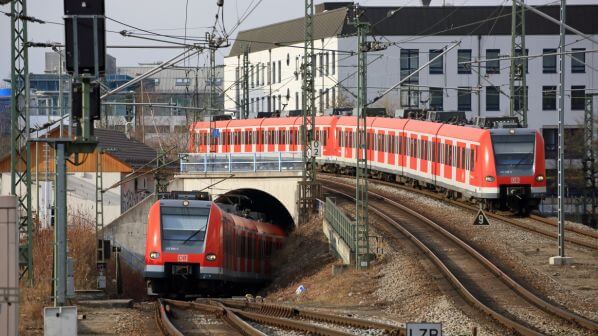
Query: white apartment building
{"x":415,"y":35}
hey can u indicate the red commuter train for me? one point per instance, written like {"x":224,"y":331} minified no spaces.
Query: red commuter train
{"x":194,"y":246}
{"x":500,"y":168}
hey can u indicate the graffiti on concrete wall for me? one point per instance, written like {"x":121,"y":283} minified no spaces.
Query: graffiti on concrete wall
{"x":135,"y":191}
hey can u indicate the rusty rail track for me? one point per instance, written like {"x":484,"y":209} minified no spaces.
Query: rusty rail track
{"x":229,"y":317}
{"x":235,"y":313}
{"x":584,"y":238}
{"x":477,"y":279}
{"x":307,"y":314}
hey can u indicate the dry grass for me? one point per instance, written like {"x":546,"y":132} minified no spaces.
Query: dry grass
{"x":307,"y":260}
{"x":81,"y":245}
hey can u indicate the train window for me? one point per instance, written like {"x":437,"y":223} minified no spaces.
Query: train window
{"x":472,"y":159}
{"x":183,"y":229}
{"x":458,"y":163}
{"x":462,"y":157}
{"x":325,"y":137}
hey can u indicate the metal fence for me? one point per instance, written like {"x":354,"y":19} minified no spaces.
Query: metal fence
{"x":573,"y":207}
{"x":340,"y":223}
{"x":240,"y":162}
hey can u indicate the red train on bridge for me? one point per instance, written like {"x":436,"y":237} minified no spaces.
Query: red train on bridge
{"x":500,"y":168}
{"x":194,"y":246}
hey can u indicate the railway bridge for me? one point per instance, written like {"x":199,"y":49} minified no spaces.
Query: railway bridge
{"x":266,"y":183}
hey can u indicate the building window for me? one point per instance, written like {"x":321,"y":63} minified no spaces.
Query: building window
{"x":464,"y":99}
{"x":327,"y":65}
{"x":263,"y":73}
{"x":279,"y":71}
{"x":296,"y":100}
{"x":273,"y":103}
{"x":274,"y":72}
{"x":550,"y":136}
{"x":321,"y":100}
{"x":492,"y":62}
{"x":549,"y":98}
{"x":251,"y":105}
{"x":279,"y":102}
{"x":270,"y":73}
{"x":251,"y":75}
{"x":321,"y":68}
{"x":549,"y":61}
{"x":156,"y":81}
{"x":333,"y":103}
{"x":436,"y":96}
{"x":578,"y":60}
{"x":578,"y":97}
{"x":182,"y":82}
{"x":257,"y":75}
{"x":436,"y":66}
{"x":463,"y":55}
{"x":327,"y":98}
{"x":333,"y":65}
{"x":492,"y":98}
{"x":518,"y":101}
{"x":409,"y":63}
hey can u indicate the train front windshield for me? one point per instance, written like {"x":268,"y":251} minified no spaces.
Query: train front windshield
{"x":183,"y":229}
{"x":514,"y":154}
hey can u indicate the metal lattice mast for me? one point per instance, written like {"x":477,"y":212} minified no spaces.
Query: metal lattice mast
{"x":561,"y":136}
{"x":308,"y":189}
{"x":212,"y":98}
{"x":589,"y":213}
{"x":245,"y":101}
{"x":518,"y":69}
{"x":20,"y":151}
{"x":361,"y":174}
{"x":100,"y":261}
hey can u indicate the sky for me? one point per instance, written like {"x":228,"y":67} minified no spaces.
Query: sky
{"x":168,"y":17}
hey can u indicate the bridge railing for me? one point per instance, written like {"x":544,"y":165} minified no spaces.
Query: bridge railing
{"x":344,"y":226}
{"x":240,"y":162}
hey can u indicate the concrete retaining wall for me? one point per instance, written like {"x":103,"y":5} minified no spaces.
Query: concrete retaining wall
{"x":129,"y":231}
{"x":337,"y":243}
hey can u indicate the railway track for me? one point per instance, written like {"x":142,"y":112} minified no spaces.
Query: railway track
{"x":240,"y":318}
{"x":477,"y":279}
{"x":540,"y":225}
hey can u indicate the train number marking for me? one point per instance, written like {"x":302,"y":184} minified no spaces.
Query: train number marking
{"x":481,"y":219}
{"x":515,"y":179}
{"x":182,"y":258}
{"x":424,"y":329}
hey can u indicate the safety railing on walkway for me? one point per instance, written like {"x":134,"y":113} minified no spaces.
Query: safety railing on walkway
{"x":340,"y":223}
{"x":240,"y":162}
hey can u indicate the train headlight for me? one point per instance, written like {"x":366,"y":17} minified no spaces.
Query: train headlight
{"x":539,"y":178}
{"x":210,"y":257}
{"x":154,"y":255}
{"x":489,"y":178}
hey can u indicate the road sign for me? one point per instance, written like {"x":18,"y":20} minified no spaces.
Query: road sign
{"x":424,"y":329}
{"x":215,"y":133}
{"x":481,"y":219}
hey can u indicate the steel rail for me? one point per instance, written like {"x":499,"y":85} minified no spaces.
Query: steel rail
{"x":221,"y":312}
{"x":507,"y":280}
{"x":286,"y":323}
{"x":573,"y":229}
{"x":512,"y":221}
{"x":294,"y":312}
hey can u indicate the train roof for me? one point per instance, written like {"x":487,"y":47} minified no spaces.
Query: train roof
{"x":179,"y":203}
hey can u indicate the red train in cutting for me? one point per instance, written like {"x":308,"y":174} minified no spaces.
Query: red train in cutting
{"x":194,"y":246}
{"x":499,"y":168}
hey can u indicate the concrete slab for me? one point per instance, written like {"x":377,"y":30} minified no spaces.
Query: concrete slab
{"x":121,"y":303}
{"x":560,"y":261}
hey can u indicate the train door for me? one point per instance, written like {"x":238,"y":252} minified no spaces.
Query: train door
{"x":379,"y":150}
{"x":423,"y":164}
{"x":413,"y":152}
{"x":448,"y":160}
{"x":271,"y":140}
{"x":460,"y":162}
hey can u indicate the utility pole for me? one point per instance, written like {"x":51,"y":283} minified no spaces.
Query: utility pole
{"x":20,"y":155}
{"x":212,"y":98}
{"x":518,"y":69}
{"x":309,"y":189}
{"x":362,"y":249}
{"x":245,"y":100}
{"x":100,"y":253}
{"x":561,"y":259}
{"x":589,"y":169}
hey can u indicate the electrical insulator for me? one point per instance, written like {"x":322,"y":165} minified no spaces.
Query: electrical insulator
{"x":219,"y":3}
